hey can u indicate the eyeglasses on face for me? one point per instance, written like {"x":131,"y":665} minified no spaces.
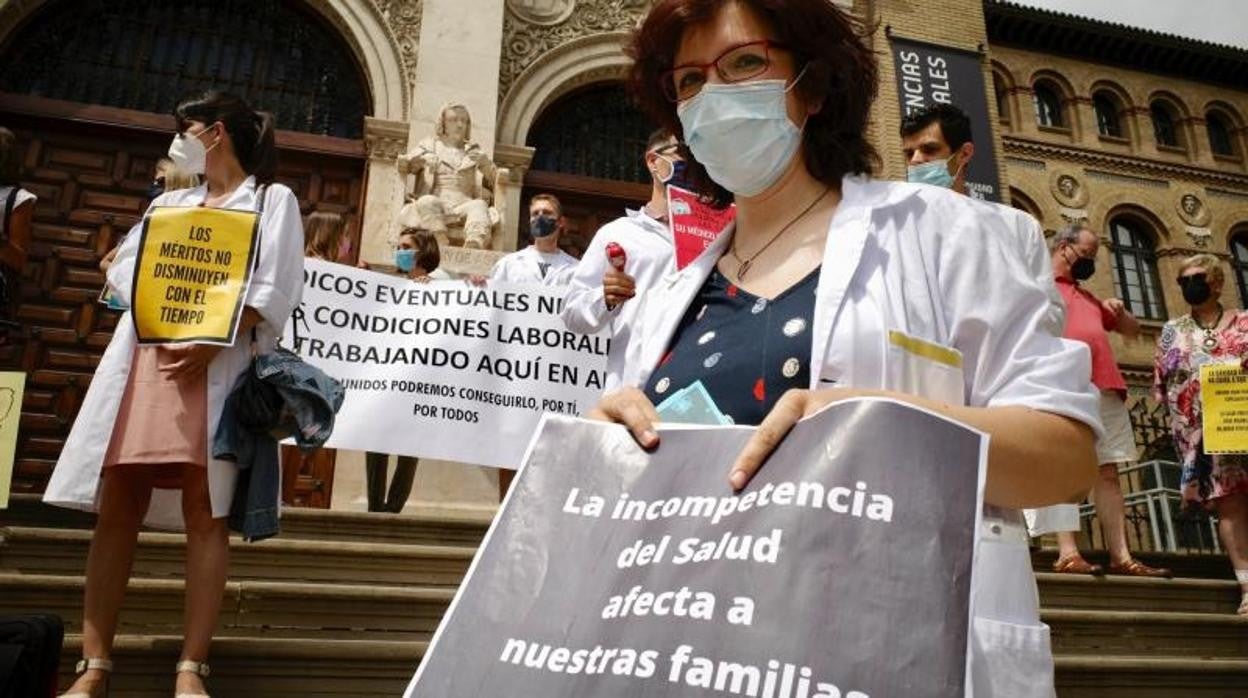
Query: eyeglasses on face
{"x":1185,"y":280}
{"x":737,"y":64}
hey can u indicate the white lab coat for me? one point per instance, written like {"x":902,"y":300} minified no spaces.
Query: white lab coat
{"x":648,"y":246}
{"x":275,"y":290}
{"x":524,"y":267}
{"x":910,"y":266}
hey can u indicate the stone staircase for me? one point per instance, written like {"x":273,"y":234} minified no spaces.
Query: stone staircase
{"x":298,"y":622}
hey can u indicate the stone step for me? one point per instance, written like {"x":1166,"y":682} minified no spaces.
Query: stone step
{"x":249,"y":609}
{"x":261,"y":667}
{"x":277,"y":668}
{"x":1129,"y":633}
{"x":1189,"y":565}
{"x":161,"y":555}
{"x":1114,"y":593}
{"x":297,"y":523}
{"x":1150,"y":677}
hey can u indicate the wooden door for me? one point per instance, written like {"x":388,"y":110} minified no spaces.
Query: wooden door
{"x":90,"y":168}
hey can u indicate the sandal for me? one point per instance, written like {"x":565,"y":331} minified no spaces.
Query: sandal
{"x":200,"y":669}
{"x":1135,"y":568}
{"x":91,"y":664}
{"x":1075,"y":564}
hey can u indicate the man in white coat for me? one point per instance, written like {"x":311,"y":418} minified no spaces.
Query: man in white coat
{"x":599,"y":295}
{"x":541,"y":262}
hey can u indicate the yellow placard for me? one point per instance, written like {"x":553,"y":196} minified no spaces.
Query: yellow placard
{"x":1224,"y":408}
{"x":192,"y":273}
{"x":12,"y":384}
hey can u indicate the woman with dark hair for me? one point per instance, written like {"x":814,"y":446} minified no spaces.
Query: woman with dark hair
{"x":834,"y":286}
{"x":139,"y":450}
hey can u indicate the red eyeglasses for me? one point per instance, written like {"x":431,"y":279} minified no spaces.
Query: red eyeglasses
{"x":737,"y":64}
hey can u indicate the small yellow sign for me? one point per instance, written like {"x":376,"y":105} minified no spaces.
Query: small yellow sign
{"x":192,"y":273}
{"x":12,"y":384}
{"x":1224,"y":408}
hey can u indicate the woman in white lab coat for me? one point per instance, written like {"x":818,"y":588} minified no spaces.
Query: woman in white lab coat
{"x":139,"y":451}
{"x":916,"y":293}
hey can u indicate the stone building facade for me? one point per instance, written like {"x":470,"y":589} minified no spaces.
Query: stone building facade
{"x":528,"y":68}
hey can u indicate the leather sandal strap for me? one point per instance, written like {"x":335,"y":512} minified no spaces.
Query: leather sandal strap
{"x":192,"y":667}
{"x":97,"y":663}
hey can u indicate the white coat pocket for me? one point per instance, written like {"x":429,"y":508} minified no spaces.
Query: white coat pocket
{"x":920,"y":367}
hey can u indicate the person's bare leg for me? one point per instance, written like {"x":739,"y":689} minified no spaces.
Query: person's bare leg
{"x":207,"y":563}
{"x":1233,"y":530}
{"x":1067,"y":544}
{"x":125,"y":492}
{"x":1107,"y":496}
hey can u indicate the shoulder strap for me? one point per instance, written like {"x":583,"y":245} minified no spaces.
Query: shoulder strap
{"x":8,"y":210}
{"x":261,"y":191}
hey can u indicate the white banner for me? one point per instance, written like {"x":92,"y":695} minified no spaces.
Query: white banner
{"x":443,"y":369}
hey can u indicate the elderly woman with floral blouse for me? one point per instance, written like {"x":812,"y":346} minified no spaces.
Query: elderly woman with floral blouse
{"x":1209,"y":334}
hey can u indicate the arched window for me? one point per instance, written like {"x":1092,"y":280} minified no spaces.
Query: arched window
{"x":595,"y":133}
{"x":1239,"y":264}
{"x":1165,"y":126}
{"x":274,"y":53}
{"x":1135,"y":266}
{"x":1219,"y":129}
{"x":1048,"y":103}
{"x":1003,"y":98}
{"x":1108,"y":122}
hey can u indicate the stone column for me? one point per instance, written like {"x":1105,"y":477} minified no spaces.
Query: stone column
{"x":461,"y":43}
{"x":516,"y":158}
{"x":385,"y":141}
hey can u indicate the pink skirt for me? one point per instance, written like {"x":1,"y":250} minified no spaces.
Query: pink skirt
{"x":162,"y":421}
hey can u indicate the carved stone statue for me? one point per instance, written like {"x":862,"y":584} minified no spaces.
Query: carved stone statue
{"x":454,"y":183}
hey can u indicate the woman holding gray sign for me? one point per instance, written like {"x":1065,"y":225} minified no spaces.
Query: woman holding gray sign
{"x":878,"y":289}
{"x":139,"y":450}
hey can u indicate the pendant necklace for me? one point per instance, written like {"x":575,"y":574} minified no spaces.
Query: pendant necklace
{"x":747,"y":263}
{"x":1210,"y":342}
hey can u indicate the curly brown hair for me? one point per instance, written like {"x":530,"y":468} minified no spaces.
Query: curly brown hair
{"x":841,"y":74}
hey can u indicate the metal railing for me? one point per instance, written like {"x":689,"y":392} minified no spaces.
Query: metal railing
{"x":1156,"y":520}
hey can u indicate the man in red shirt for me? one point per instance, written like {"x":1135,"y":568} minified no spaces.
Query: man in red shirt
{"x":1090,"y":320}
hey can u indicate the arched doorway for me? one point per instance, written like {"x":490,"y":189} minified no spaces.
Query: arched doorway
{"x":92,"y":114}
{"x":588,"y":151}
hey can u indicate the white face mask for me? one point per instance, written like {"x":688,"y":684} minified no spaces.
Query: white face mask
{"x":188,"y":152}
{"x":741,"y":133}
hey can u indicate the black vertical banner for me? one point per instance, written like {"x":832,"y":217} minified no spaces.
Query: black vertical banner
{"x":927,"y":74}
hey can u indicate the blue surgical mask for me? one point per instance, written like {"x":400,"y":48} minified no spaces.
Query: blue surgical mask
{"x":542,"y":226}
{"x":933,"y":172}
{"x":741,"y":133}
{"x":405,"y":260}
{"x":678,"y":173}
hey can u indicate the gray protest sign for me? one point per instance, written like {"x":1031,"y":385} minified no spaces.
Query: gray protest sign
{"x":842,"y":571}
{"x":929,"y":74}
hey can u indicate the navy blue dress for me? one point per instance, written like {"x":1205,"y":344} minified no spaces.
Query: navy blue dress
{"x":746,"y":350}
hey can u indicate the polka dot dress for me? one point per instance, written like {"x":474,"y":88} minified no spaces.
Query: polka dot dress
{"x":746,"y":350}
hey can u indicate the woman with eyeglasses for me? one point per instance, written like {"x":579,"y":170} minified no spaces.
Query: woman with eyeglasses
{"x":835,"y":286}
{"x":1209,"y":334}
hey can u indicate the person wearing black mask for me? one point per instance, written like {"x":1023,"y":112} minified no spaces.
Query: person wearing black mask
{"x":1210,"y":334}
{"x":1090,"y":320}
{"x":542,"y":262}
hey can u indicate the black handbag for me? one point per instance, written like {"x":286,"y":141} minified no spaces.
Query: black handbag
{"x":30,"y":655}
{"x":257,"y":404}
